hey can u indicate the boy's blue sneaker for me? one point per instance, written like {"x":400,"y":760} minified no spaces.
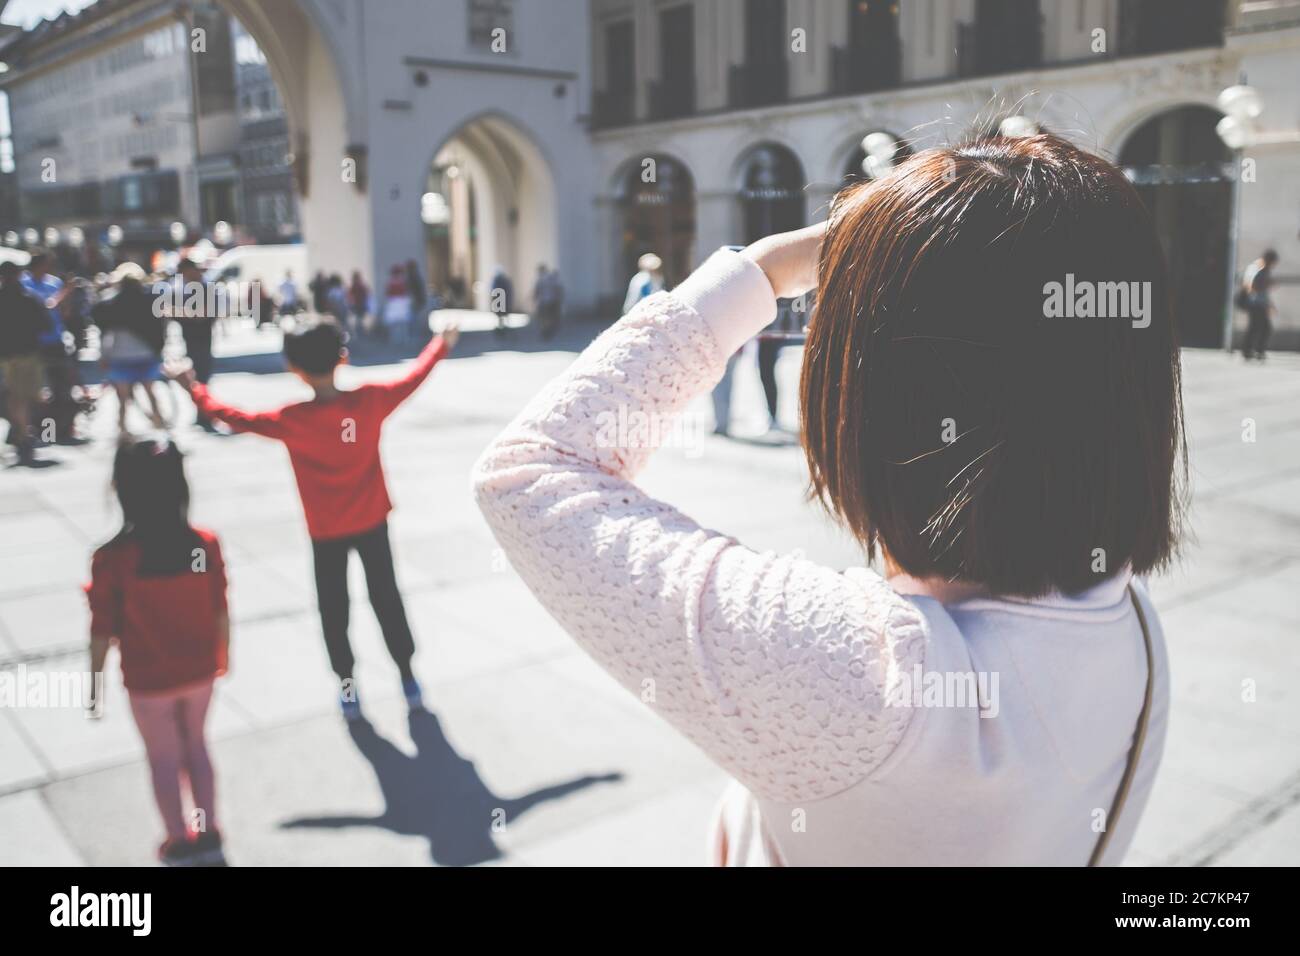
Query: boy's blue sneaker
{"x":414,"y":696}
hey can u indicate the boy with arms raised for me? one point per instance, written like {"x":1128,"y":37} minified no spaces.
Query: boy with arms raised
{"x":333,"y":444}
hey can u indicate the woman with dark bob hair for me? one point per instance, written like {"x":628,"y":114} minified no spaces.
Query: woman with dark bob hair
{"x":991,"y":405}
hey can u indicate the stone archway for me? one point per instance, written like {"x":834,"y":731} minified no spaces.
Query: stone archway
{"x":305,"y":47}
{"x":489,"y":202}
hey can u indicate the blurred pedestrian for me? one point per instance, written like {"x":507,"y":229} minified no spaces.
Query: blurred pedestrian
{"x":358,"y":300}
{"x":770,"y":343}
{"x":23,"y":324}
{"x":158,"y":591}
{"x":318,"y":286}
{"x":501,"y":294}
{"x":76,"y":310}
{"x":1257,"y":297}
{"x":548,"y":299}
{"x":59,"y":365}
{"x":197,"y":319}
{"x":721,"y":397}
{"x":131,"y":339}
{"x":333,"y":444}
{"x":419,"y":293}
{"x":336,"y":300}
{"x":648,"y":280}
{"x":397,"y":305}
{"x":290,"y":304}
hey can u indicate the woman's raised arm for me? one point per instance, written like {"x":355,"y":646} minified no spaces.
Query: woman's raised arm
{"x":775,"y":666}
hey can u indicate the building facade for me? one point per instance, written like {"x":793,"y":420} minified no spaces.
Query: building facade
{"x":772,"y":119}
{"x":123,"y":123}
{"x":476,"y":134}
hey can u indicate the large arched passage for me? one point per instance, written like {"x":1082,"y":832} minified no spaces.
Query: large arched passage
{"x":301,"y":42}
{"x":489,"y":203}
{"x":1183,"y":173}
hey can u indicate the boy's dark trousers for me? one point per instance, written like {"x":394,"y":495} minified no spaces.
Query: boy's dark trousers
{"x":197,"y":334}
{"x":331,"y":559}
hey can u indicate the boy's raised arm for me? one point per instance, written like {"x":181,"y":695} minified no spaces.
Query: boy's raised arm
{"x":397,"y":391}
{"x":260,"y":423}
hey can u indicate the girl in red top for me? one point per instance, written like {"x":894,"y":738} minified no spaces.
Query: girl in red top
{"x":158,"y":590}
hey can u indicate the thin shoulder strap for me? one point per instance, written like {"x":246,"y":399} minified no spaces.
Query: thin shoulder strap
{"x":1139,"y":738}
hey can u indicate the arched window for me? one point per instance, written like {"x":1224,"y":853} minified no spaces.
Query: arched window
{"x":1183,"y":173}
{"x":772,"y":191}
{"x":658,"y":206}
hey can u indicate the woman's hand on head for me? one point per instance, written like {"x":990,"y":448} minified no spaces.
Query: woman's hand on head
{"x":789,"y":259}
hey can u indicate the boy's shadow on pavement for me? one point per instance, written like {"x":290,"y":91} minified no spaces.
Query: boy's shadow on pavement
{"x":437,"y":794}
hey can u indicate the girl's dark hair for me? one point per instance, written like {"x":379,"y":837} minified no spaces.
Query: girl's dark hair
{"x":953,"y":414}
{"x":149,"y":478}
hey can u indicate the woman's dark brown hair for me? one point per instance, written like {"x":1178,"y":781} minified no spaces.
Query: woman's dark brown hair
{"x":957,"y":407}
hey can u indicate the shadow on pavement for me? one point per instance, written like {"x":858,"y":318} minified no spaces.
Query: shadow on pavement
{"x":437,"y":794}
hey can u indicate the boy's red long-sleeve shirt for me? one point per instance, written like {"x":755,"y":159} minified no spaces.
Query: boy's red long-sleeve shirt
{"x":334,"y":446}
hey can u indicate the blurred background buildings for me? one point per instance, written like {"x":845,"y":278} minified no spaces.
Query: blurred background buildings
{"x":471,"y":134}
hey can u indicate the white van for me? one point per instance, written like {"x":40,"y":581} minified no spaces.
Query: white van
{"x":14,"y":255}
{"x":264,"y":264}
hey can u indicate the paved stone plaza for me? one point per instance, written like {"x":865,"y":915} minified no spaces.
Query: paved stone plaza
{"x":525,"y":728}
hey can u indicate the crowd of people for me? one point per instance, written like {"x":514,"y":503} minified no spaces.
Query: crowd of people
{"x":49,"y":320}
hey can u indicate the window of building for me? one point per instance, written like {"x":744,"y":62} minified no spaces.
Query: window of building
{"x":763,"y":77}
{"x":1007,"y":35}
{"x":1158,"y":26}
{"x":674,"y":93}
{"x":616,"y":104}
{"x":872,"y":58}
{"x":488,"y":16}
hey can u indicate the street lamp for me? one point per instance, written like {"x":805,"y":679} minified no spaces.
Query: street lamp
{"x":114,"y":234}
{"x":76,"y":237}
{"x":178,"y":232}
{"x":1017,"y":127}
{"x":1241,"y":106}
{"x":52,"y":236}
{"x":433,"y":209}
{"x":31,"y":237}
{"x":221,"y":232}
{"x":881,"y":148}
{"x":11,"y":238}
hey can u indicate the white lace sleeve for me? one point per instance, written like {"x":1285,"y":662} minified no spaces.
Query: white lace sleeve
{"x":776,"y":667}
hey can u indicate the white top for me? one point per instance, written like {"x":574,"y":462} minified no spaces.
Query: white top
{"x":835,"y":700}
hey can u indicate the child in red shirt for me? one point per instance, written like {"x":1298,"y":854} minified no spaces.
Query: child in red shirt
{"x":333,"y":444}
{"x":158,"y":590}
